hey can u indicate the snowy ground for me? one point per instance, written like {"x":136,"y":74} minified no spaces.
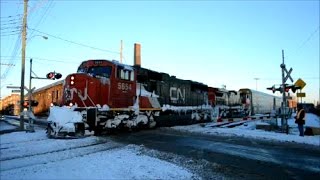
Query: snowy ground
{"x":34,"y":156}
{"x":6,"y":126}
{"x":249,"y":130}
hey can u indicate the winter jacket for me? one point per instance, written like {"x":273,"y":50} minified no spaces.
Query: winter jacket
{"x":300,"y":118}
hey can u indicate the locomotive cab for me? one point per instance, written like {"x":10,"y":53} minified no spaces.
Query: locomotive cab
{"x":100,"y":83}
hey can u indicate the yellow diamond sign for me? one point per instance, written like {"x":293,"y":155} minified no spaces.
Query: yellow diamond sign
{"x":300,"y":83}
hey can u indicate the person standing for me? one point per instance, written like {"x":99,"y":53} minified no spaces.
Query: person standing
{"x":300,"y":119}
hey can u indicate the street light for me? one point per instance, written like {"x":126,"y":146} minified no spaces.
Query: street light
{"x":256,"y":83}
{"x":44,"y":37}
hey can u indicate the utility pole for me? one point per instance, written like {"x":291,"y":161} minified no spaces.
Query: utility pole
{"x":23,"y":55}
{"x":284,"y":104}
{"x":121,"y":51}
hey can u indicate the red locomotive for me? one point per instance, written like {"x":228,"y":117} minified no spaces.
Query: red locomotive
{"x":112,"y":95}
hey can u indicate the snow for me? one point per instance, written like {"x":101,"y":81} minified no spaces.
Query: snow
{"x":64,"y":115}
{"x":248,"y":129}
{"x":33,"y":156}
{"x":6,"y":126}
{"x":166,"y":107}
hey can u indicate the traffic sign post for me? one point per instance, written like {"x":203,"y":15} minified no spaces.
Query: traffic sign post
{"x":301,"y":84}
{"x":16,"y":91}
{"x":30,"y":128}
{"x":301,"y":95}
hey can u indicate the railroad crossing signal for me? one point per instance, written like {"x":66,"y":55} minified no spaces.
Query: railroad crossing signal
{"x":50,"y":75}
{"x":53,"y":75}
{"x":26,"y":103}
{"x":288,"y":74}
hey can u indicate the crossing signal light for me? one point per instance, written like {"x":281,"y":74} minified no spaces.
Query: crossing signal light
{"x":273,"y":89}
{"x":34,"y":103}
{"x":26,"y":104}
{"x":50,"y":75}
{"x":293,"y":88}
{"x":53,"y":75}
{"x":287,"y":89}
{"x":57,"y":75}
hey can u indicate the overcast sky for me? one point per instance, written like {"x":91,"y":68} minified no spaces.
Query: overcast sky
{"x":215,"y":42}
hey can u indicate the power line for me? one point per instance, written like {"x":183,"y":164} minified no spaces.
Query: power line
{"x":44,"y":15}
{"x":307,"y":40}
{"x":6,"y":17}
{"x":9,"y":34}
{"x":10,"y":23}
{"x":80,"y":44}
{"x":14,"y":53}
{"x":40,"y":58}
{"x":11,"y":45}
{"x":13,"y":27}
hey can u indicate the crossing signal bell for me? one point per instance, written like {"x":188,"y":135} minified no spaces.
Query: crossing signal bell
{"x":53,"y":75}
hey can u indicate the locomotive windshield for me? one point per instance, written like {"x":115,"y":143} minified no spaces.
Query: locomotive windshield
{"x":100,"y":71}
{"x":97,"y":71}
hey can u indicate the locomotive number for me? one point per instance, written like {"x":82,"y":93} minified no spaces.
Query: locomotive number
{"x":124,"y":86}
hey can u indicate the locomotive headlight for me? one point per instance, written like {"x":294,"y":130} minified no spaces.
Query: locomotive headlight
{"x":70,"y":104}
{"x":72,"y":78}
{"x":51,"y":104}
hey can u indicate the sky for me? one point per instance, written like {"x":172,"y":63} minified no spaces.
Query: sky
{"x":34,"y":156}
{"x":214,"y":42}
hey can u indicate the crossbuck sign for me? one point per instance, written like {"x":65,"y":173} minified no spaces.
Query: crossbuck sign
{"x":288,"y":74}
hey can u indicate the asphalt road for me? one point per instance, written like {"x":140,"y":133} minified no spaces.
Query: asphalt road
{"x":233,"y":157}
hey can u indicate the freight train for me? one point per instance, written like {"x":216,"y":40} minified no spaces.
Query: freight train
{"x":111,"y":95}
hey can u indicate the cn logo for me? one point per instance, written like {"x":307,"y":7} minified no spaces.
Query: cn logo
{"x":176,"y":94}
